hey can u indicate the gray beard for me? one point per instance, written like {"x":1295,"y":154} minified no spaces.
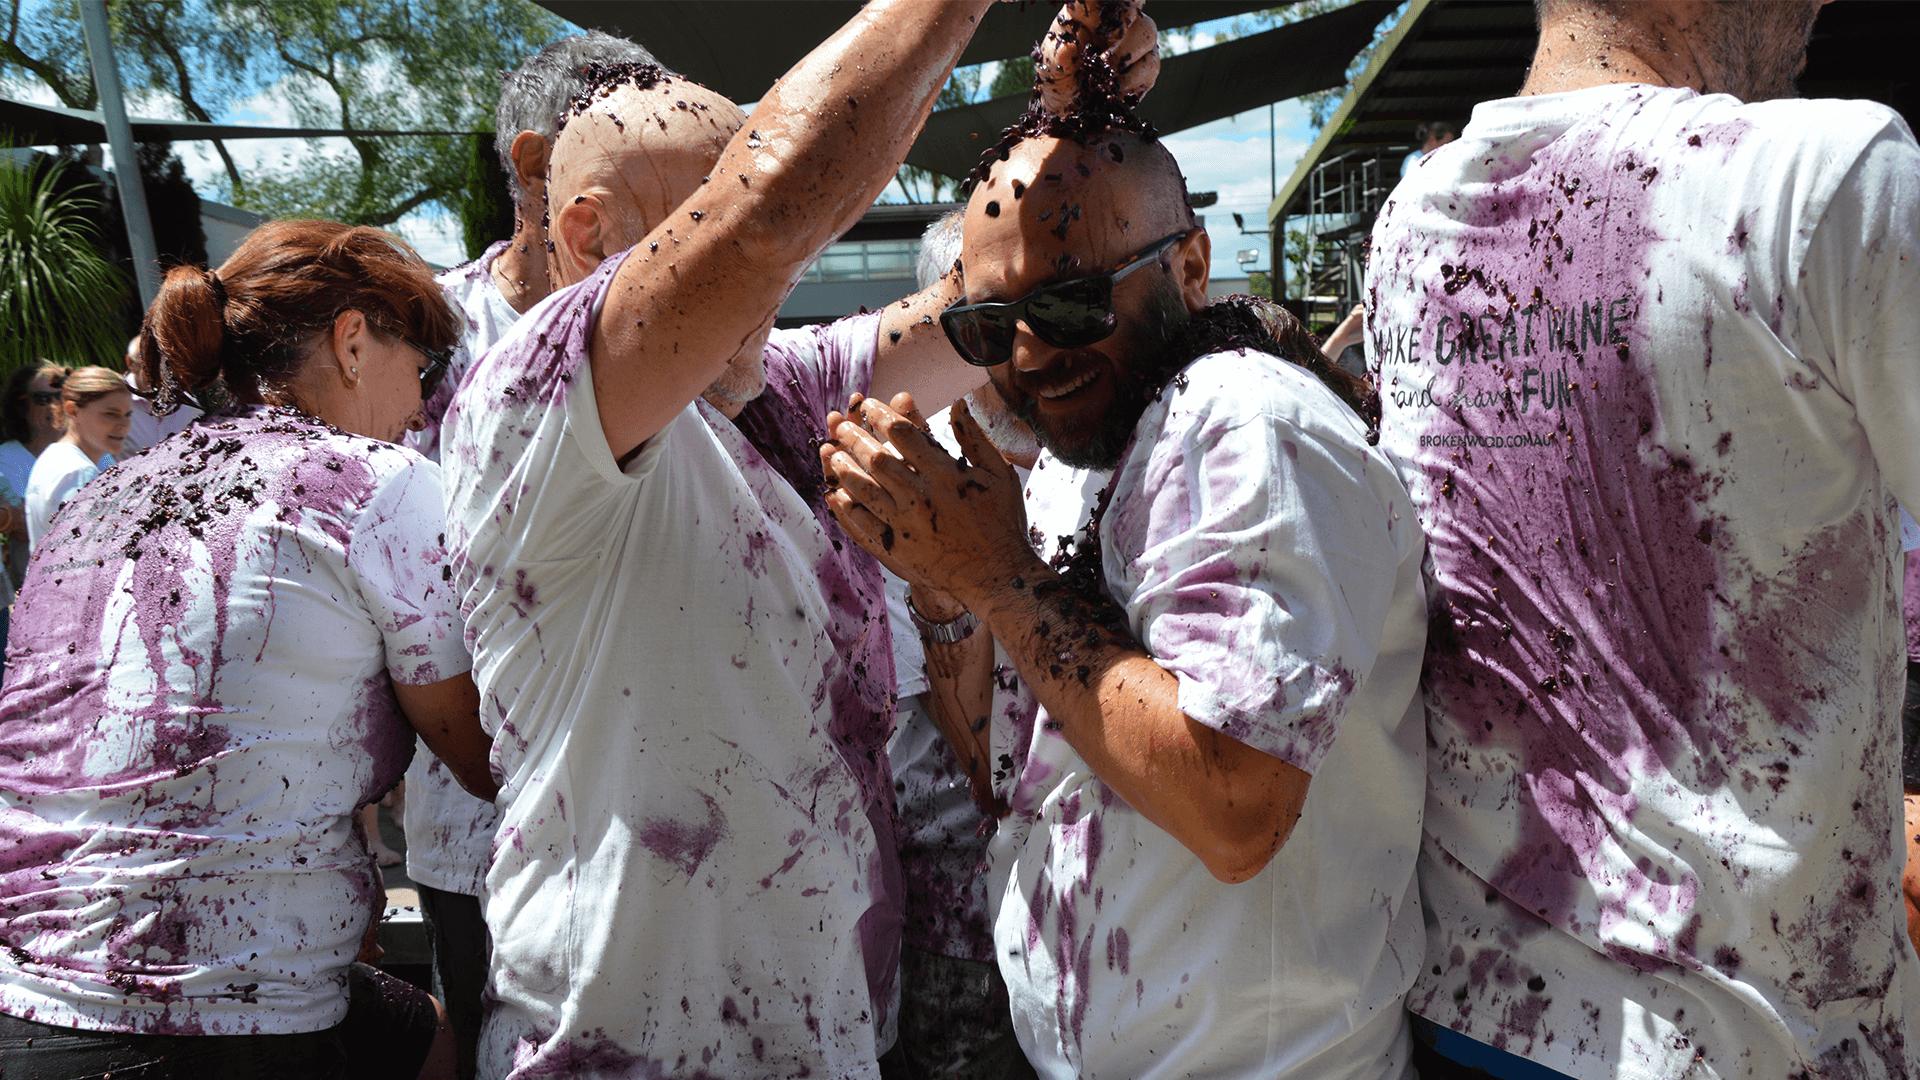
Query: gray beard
{"x":1007,"y":434}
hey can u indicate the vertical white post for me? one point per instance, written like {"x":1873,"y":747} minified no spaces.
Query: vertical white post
{"x":126,"y":166}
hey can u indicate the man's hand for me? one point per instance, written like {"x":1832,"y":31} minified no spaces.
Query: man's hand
{"x":958,"y":527}
{"x":1131,"y":46}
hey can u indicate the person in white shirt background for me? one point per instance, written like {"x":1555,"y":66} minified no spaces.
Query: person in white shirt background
{"x":97,"y":405}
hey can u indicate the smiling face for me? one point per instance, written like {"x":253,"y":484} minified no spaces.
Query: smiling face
{"x":1056,"y":211}
{"x":100,"y":426}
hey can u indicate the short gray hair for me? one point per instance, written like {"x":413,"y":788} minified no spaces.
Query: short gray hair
{"x":939,"y":248}
{"x":536,"y":96}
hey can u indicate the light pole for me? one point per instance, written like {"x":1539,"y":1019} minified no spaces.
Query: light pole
{"x":126,"y":165}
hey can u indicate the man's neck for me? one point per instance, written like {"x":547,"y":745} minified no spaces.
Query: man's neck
{"x":520,"y":272}
{"x":1582,"y":47}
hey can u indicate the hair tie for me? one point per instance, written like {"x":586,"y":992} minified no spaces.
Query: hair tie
{"x":219,"y":287}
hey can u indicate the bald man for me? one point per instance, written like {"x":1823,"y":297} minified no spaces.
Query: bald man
{"x":686,"y":667}
{"x":1208,"y":865}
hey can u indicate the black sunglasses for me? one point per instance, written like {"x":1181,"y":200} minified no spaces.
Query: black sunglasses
{"x":44,"y":397}
{"x":1064,"y":314}
{"x":435,"y":370}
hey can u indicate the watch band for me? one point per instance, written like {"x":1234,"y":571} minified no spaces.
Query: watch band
{"x":943,"y":633}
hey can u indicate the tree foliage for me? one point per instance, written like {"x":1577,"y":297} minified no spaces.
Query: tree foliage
{"x":403,"y":65}
{"x":58,"y":295}
{"x":484,"y":202}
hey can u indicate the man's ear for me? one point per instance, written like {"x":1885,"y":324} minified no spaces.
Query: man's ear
{"x":529,"y":155}
{"x":579,"y":234}
{"x":1194,"y":267}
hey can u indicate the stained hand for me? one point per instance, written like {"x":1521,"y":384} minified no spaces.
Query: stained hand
{"x":955,"y":526}
{"x":1133,"y":51}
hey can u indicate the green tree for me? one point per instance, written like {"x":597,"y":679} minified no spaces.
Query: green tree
{"x":405,"y":65}
{"x":484,"y":201}
{"x":58,"y":294}
{"x":45,"y":43}
{"x":1300,"y":257}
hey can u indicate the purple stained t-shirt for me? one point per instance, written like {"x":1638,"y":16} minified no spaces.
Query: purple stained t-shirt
{"x":687,"y":672}
{"x":199,"y":694}
{"x":1647,"y":358}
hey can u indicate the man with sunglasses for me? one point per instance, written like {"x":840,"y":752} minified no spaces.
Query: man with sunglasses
{"x":1206,"y":868}
{"x":687,"y":667}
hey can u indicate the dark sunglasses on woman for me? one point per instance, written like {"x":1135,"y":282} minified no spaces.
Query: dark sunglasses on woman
{"x":1064,"y":314}
{"x":435,"y":370}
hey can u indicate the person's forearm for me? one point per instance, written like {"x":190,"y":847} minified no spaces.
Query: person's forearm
{"x":833,"y":129}
{"x":959,"y":699}
{"x":1231,"y":805}
{"x":816,"y":152}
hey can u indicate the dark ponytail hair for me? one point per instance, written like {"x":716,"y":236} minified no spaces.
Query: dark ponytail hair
{"x":252,"y":322}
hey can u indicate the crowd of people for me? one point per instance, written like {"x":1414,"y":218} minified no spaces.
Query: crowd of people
{"x":1178,"y":702}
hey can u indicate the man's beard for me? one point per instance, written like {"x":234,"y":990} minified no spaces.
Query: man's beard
{"x":1005,"y":431}
{"x":1139,"y":378}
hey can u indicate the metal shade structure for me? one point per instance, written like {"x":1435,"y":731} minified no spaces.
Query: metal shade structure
{"x":739,"y":48}
{"x":1445,"y":56}
{"x":24,"y":123}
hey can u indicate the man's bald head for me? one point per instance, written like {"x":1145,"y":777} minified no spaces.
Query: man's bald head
{"x":626,"y":160}
{"x":1058,"y":209}
{"x":1075,"y":208}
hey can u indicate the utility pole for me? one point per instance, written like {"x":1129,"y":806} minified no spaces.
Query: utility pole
{"x":126,"y":165}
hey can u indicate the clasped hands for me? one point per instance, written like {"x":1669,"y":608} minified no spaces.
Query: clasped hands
{"x":956,"y":527}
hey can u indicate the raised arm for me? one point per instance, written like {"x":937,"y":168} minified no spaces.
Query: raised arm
{"x":818,"y":149}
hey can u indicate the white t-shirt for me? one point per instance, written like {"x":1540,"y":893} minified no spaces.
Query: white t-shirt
{"x":199,"y":694}
{"x":1268,"y":558}
{"x":449,"y":832}
{"x":1648,"y":358}
{"x":146,"y":428}
{"x":59,"y":470}
{"x":689,"y":679}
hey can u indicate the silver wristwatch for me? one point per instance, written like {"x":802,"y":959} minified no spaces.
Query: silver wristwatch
{"x":943,"y":633}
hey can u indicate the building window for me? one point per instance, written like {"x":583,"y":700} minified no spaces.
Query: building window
{"x":866,"y":260}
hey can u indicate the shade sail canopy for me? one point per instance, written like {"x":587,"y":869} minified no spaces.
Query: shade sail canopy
{"x":27,"y":124}
{"x":740,"y":47}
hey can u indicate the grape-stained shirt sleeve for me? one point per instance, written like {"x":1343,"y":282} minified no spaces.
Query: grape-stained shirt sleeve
{"x":818,"y":367}
{"x":1267,"y":559}
{"x":398,"y":553}
{"x":1862,"y":280}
